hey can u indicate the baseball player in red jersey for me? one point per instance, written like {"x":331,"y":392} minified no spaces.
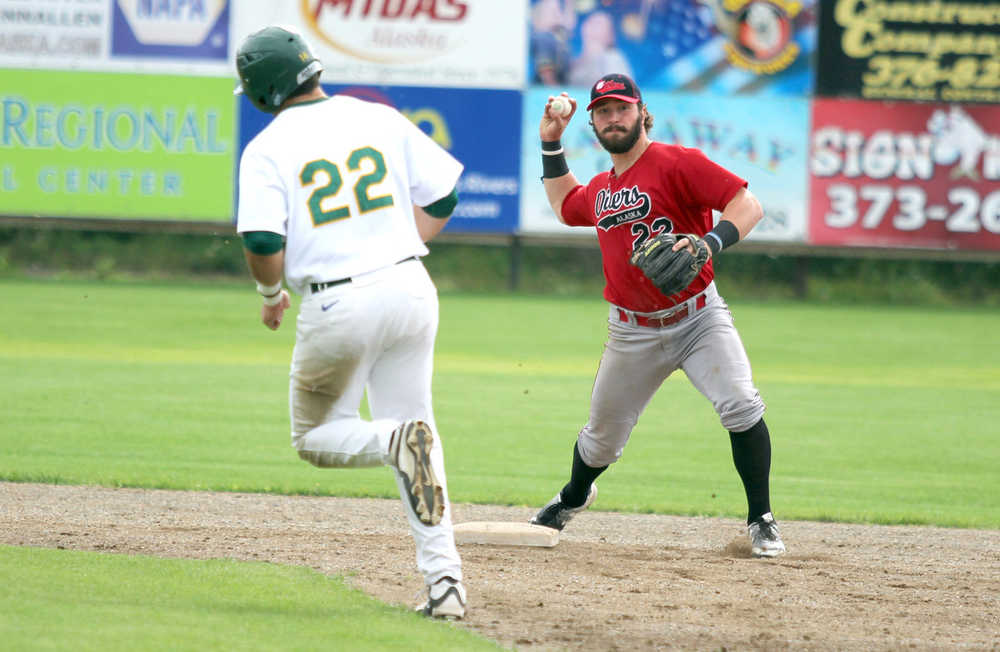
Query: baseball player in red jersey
{"x":653,"y":189}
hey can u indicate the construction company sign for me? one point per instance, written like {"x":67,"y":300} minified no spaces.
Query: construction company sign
{"x":457,"y":43}
{"x":931,"y":50}
{"x":905,"y":175}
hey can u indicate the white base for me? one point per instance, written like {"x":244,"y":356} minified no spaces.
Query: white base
{"x":501,"y":533}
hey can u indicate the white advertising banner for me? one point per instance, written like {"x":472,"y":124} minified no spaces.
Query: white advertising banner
{"x":455,"y":43}
{"x":53,"y":33}
{"x":186,"y":37}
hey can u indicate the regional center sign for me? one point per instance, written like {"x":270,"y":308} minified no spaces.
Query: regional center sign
{"x":115,"y":145}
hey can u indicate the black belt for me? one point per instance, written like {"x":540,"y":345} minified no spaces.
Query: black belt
{"x":319,"y":287}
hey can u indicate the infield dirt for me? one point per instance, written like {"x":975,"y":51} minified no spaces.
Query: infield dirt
{"x":614,"y":582}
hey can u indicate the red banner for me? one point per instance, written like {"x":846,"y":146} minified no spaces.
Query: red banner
{"x":905,"y":175}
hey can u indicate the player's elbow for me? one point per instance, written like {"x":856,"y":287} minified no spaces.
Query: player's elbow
{"x":756,"y":211}
{"x":745,"y":211}
{"x":557,"y":211}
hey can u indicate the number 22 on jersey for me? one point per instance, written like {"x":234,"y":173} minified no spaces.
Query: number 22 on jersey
{"x":314,"y":171}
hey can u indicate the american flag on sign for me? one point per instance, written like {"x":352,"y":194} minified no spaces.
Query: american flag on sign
{"x":707,"y":45}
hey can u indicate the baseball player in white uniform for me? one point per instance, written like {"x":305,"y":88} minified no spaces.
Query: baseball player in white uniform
{"x":338,"y":196}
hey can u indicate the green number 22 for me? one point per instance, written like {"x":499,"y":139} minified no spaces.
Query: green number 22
{"x":336,"y":182}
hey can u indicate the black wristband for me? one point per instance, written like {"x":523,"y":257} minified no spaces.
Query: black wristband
{"x":723,"y":235}
{"x":553,"y":160}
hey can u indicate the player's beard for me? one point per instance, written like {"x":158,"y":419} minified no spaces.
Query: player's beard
{"x":618,"y":139}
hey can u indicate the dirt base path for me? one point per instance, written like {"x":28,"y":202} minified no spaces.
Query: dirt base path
{"x":614,"y":582}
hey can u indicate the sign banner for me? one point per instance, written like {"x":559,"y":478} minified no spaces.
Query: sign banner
{"x":54,"y":33}
{"x":763,"y":140}
{"x":719,"y":46}
{"x":456,"y":43}
{"x":478,"y":127}
{"x":935,"y":51}
{"x":107,"y":145}
{"x":905,"y":175}
{"x":180,"y":37}
{"x":179,"y":29}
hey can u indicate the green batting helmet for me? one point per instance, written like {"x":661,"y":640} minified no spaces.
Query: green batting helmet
{"x":272,"y":63}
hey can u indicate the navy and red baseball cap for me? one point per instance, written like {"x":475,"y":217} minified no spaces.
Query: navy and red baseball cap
{"x":615,"y":86}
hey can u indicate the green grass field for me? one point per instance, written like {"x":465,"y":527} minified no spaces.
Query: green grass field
{"x":881,"y":415}
{"x":69,"y":600}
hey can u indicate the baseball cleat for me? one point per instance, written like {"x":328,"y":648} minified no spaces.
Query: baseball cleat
{"x":765,"y":540}
{"x":556,"y":515}
{"x":410,"y":453}
{"x":445,"y":599}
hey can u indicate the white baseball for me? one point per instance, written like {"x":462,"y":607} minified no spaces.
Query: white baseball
{"x":560,"y":106}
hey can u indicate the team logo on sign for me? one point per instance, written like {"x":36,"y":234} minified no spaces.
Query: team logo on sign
{"x":959,"y":140}
{"x":620,"y":207}
{"x":388,"y":31}
{"x":759,"y":32}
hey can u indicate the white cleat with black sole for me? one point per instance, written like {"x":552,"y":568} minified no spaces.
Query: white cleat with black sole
{"x":445,"y":599}
{"x":410,"y":454}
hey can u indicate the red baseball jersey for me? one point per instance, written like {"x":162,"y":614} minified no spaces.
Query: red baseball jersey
{"x":668,"y":189}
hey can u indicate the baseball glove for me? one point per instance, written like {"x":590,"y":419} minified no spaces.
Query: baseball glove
{"x":670,"y":271}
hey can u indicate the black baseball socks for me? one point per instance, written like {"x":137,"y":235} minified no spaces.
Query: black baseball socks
{"x":576,"y":491}
{"x":752,"y":456}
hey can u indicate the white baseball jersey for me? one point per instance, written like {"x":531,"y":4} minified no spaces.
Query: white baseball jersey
{"x":335,"y":176}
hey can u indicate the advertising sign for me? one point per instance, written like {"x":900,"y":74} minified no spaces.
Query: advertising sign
{"x":936,"y":51}
{"x":158,"y":36}
{"x":478,"y":127}
{"x":180,"y":29}
{"x":721,"y":46}
{"x":463,"y":43}
{"x":55,"y":32}
{"x":905,"y":175}
{"x":763,"y":140}
{"x":107,"y":145}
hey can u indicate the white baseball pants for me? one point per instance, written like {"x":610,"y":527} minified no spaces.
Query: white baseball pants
{"x":375,"y":333}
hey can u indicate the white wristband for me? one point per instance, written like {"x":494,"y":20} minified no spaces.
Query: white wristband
{"x":268,"y":290}
{"x":273,"y":300}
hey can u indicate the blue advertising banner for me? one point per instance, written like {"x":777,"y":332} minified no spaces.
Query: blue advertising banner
{"x":481,"y":128}
{"x":762,"y":139}
{"x":177,"y":29}
{"x":721,"y":46}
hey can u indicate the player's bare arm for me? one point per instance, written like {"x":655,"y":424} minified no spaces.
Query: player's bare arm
{"x":743,"y":212}
{"x":555,"y":118}
{"x":428,"y":227}
{"x":267,"y":270}
{"x":431,"y":219}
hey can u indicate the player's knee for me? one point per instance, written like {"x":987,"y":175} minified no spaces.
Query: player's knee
{"x":596,"y":451}
{"x":742,"y":416}
{"x":313,"y":457}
